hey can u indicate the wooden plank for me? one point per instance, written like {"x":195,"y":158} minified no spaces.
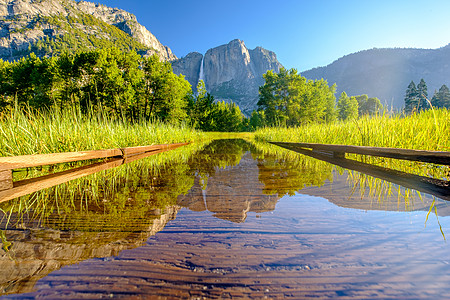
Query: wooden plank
{"x":141,"y":149}
{"x":437,"y":187}
{"x":437,"y":157}
{"x":27,"y":161}
{"x":28,"y":186}
{"x":131,"y":158}
{"x":6,"y":180}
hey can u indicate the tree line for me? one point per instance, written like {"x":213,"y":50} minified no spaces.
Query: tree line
{"x":289,"y":99}
{"x":122,"y":84}
{"x":133,"y":88}
{"x":416,"y":97}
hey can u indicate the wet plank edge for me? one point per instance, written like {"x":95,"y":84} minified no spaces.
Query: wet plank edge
{"x":437,"y":187}
{"x":28,"y":186}
{"x":437,"y":157}
{"x":27,"y":161}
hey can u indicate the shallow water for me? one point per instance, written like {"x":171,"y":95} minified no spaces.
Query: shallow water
{"x":230,"y":220}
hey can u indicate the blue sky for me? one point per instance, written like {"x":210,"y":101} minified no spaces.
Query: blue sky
{"x":303,"y":34}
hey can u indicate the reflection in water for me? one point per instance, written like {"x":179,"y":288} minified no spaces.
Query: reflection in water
{"x":433,"y":186}
{"x":298,"y":249}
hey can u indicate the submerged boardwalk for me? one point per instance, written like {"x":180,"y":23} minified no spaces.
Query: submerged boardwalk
{"x":436,"y":157}
{"x":114,"y":157}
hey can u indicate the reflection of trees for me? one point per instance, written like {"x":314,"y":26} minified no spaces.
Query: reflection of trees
{"x":285,"y":173}
{"x":218,"y":154}
{"x":96,"y":216}
{"x":111,"y":197}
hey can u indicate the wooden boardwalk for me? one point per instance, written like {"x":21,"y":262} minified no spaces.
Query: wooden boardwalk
{"x":339,"y":151}
{"x":114,"y":157}
{"x":27,"y":161}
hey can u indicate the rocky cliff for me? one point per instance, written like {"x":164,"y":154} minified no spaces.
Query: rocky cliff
{"x":231,"y":72}
{"x":48,"y":27}
{"x":386,"y":73}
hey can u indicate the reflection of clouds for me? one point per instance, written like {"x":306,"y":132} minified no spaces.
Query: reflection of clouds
{"x":231,"y":193}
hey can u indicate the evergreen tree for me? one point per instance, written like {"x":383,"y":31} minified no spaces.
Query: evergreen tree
{"x":411,"y":99}
{"x":422,"y":95}
{"x":441,"y":98}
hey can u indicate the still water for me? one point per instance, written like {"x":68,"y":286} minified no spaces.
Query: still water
{"x":225,"y":220}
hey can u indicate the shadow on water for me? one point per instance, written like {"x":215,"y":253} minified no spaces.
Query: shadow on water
{"x":119,"y":206}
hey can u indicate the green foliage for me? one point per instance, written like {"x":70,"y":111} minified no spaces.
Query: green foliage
{"x":441,"y":98}
{"x":205,"y":114}
{"x":123,"y":84}
{"x":411,"y":99}
{"x":368,"y":106}
{"x":347,"y":107}
{"x":428,"y":130}
{"x":422,"y":95}
{"x":289,"y":99}
{"x":77,"y":32}
{"x":69,"y":130}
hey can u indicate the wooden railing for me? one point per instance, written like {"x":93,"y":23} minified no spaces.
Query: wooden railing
{"x":335,"y":154}
{"x":339,"y":151}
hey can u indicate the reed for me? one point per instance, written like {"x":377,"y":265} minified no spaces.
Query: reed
{"x":428,"y":130}
{"x":25,"y":132}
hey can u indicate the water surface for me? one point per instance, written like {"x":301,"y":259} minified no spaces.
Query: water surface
{"x":228,"y":219}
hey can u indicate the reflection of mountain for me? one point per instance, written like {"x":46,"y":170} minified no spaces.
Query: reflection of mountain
{"x":231,"y":193}
{"x":37,"y":251}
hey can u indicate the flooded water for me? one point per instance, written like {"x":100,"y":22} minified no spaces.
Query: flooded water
{"x":226,"y":220}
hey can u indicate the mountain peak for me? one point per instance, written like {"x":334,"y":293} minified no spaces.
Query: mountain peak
{"x":48,"y":27}
{"x":231,"y":71}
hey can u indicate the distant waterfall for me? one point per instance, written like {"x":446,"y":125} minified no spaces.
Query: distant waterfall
{"x":201,"y":76}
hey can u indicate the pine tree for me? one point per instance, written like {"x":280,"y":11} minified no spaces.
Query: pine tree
{"x":441,"y":98}
{"x":422,"y":94}
{"x":411,"y":99}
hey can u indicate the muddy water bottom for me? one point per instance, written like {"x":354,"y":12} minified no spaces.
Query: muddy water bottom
{"x":253,"y":230}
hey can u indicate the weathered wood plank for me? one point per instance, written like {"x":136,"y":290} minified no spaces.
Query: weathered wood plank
{"x":141,"y":149}
{"x":432,"y":186}
{"x":437,"y":157}
{"x":27,"y":161}
{"x":131,"y":158}
{"x":28,"y":186}
{"x":6,"y":180}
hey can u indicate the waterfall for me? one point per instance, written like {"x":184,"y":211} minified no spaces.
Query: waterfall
{"x":201,"y":76}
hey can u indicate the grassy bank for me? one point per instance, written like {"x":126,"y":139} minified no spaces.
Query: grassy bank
{"x":23,"y":133}
{"x":428,"y":130}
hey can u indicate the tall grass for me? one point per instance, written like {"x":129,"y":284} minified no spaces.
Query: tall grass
{"x":428,"y":130}
{"x":25,"y":132}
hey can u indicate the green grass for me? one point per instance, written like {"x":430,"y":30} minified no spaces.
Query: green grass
{"x":428,"y":130}
{"x":23,"y":133}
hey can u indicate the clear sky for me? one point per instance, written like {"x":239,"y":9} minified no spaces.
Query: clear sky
{"x":303,"y":34}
